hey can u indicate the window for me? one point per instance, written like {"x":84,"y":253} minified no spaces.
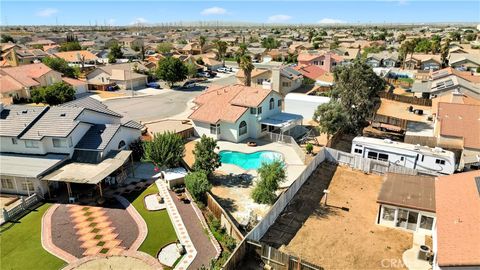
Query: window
{"x":321,"y":63}
{"x":59,"y":143}
{"x":280,"y":103}
{"x":31,"y":144}
{"x":426,"y":223}
{"x":70,"y":143}
{"x":286,"y":84}
{"x":7,"y":183}
{"x":121,"y":144}
{"x":358,"y":151}
{"x":14,"y":141}
{"x":215,"y":129}
{"x":242,"y":130}
{"x":315,"y":63}
{"x":260,"y":81}
{"x":372,"y":155}
{"x":388,"y":214}
{"x":27,"y":185}
{"x":440,"y":161}
{"x":272,"y":104}
{"x":382,"y":157}
{"x":264,"y":128}
{"x":259,"y":110}
{"x":253,"y":110}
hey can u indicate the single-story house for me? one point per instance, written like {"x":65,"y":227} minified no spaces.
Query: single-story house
{"x":407,"y":202}
{"x":79,"y":86}
{"x":423,"y":62}
{"x":123,"y":75}
{"x":464,"y":61}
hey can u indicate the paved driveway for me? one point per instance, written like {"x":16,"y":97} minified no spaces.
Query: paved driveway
{"x":149,"y":108}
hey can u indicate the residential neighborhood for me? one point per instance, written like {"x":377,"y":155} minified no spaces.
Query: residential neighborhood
{"x":205,"y":139}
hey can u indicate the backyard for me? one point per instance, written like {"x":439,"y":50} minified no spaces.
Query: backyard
{"x":20,"y":244}
{"x":160,"y":228}
{"x":331,"y":236}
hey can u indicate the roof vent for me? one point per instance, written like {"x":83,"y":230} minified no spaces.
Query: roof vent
{"x":387,"y":141}
{"x":63,"y":114}
{"x":416,"y":147}
{"x":437,"y":150}
{"x":25,"y":111}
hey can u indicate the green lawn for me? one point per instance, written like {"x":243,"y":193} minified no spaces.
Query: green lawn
{"x":21,"y":247}
{"x":160,"y":228}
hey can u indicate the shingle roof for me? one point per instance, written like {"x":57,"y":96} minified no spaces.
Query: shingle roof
{"x":133,"y":124}
{"x":91,"y":104}
{"x":98,"y":136}
{"x":56,"y":122}
{"x":458,"y":217}
{"x":15,"y":119}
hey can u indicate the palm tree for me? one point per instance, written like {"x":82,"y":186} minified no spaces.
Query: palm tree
{"x":310,"y":36}
{"x":242,"y":51}
{"x":203,"y":41}
{"x":222,"y":49}
{"x":444,"y":51}
{"x":245,"y":63}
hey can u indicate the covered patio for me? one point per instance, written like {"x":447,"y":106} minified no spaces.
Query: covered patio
{"x":284,"y":124}
{"x":83,"y":181}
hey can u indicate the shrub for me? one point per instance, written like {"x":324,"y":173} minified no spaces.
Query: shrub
{"x":54,"y":94}
{"x":137,"y":149}
{"x":197,"y":184}
{"x":205,"y":157}
{"x":309,"y":148}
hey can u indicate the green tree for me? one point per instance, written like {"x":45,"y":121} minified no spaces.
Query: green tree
{"x":455,"y":36}
{"x":60,"y":65}
{"x":171,"y":70}
{"x":165,"y":150}
{"x":331,"y":118}
{"x":470,"y":36}
{"x":70,"y":46}
{"x":356,"y":89}
{"x":423,"y":45}
{"x":7,"y":38}
{"x":191,"y":69}
{"x":444,"y":50}
{"x":205,"y":157}
{"x":270,"y":43}
{"x":222,"y":49}
{"x":311,"y":33}
{"x":435,"y":46}
{"x":247,"y":66}
{"x":115,"y":53}
{"x":271,"y":175}
{"x":54,"y":94}
{"x":164,"y":47}
{"x":401,"y":38}
{"x":335,"y":44}
{"x":202,"y":42}
{"x":198,"y":185}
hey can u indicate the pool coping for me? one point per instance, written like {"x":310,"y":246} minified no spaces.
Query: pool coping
{"x":255,"y":169}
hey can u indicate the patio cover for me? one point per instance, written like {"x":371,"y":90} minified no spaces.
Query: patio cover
{"x":28,"y":165}
{"x":86,"y":173}
{"x":409,"y":191}
{"x":284,"y":121}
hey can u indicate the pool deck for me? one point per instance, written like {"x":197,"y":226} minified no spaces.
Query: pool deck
{"x":294,"y":164}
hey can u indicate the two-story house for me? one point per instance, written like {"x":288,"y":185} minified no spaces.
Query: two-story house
{"x":17,"y":82}
{"x":326,"y":60}
{"x":283,"y":79}
{"x":41,"y":141}
{"x":236,"y":112}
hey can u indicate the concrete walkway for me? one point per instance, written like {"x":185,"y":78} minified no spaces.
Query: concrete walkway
{"x":410,"y":256}
{"x":206,"y":249}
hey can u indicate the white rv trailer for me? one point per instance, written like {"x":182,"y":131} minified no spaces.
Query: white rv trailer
{"x":421,"y":158}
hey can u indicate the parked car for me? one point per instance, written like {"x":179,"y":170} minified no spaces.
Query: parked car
{"x":154,"y":85}
{"x":203,"y":74}
{"x":189,"y":84}
{"x":223,"y":70}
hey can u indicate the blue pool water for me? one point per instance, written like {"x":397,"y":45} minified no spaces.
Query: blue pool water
{"x":249,"y":161}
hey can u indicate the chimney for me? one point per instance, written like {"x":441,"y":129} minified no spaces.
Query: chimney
{"x":276,"y":79}
{"x":328,"y":62}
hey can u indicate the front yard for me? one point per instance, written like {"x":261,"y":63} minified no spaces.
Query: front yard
{"x":21,"y":247}
{"x":160,"y":228}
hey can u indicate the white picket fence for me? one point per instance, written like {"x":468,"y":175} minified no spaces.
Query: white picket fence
{"x":18,"y":210}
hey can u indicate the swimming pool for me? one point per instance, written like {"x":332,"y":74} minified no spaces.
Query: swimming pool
{"x":249,"y":161}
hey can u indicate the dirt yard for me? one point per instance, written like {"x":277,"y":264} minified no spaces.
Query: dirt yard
{"x":108,"y":94}
{"x":344,"y":234}
{"x":400,"y":110}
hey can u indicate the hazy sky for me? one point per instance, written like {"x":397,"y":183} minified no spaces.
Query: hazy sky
{"x":308,"y":12}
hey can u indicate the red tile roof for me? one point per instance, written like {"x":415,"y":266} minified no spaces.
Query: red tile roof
{"x":458,"y":219}
{"x":26,"y":74}
{"x":227,"y":103}
{"x":311,"y":71}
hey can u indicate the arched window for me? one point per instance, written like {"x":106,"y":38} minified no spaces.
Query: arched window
{"x":272,"y":104}
{"x":121,"y":144}
{"x":242,"y":129}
